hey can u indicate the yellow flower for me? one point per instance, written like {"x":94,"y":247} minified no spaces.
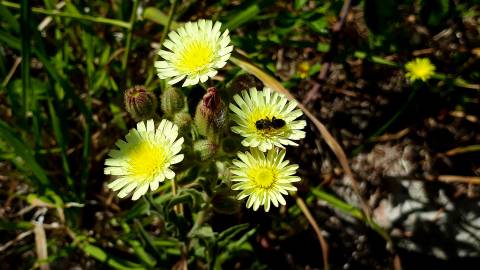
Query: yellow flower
{"x":144,"y":160}
{"x":419,"y":69}
{"x":266,"y":119}
{"x":303,"y":68}
{"x":263,"y":179}
{"x":195,"y":51}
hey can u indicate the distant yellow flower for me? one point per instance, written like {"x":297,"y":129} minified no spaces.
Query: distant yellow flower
{"x":419,"y":69}
{"x":266,"y":119}
{"x":195,"y":51}
{"x":263,"y":179}
{"x":144,"y":160}
{"x":303,"y":68}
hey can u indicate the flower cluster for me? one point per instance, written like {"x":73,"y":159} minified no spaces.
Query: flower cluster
{"x":266,"y":120}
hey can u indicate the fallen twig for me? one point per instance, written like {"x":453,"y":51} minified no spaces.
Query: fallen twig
{"x":323,"y":243}
{"x":455,"y":179}
{"x":41,"y":246}
{"x":461,"y":150}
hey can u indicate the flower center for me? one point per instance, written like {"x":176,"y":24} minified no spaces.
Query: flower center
{"x":195,"y":57}
{"x":146,"y":160}
{"x":422,"y":70}
{"x":263,"y":177}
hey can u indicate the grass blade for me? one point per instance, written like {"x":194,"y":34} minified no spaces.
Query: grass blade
{"x":58,"y":132}
{"x":9,"y":18}
{"x":349,"y":210}
{"x":25,"y":14}
{"x":337,"y":203}
{"x":100,"y":255}
{"x":69,"y":92}
{"x":461,"y":150}
{"x":41,"y":246}
{"x":94,"y":19}
{"x":155,"y":15}
{"x":10,"y":41}
{"x":23,"y":151}
{"x":323,"y":243}
{"x":242,"y":17}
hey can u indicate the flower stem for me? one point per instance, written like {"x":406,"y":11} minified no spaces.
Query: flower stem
{"x":164,"y":35}
{"x":179,"y":207}
{"x":198,"y":222}
{"x":169,"y":22}
{"x":128,"y":45}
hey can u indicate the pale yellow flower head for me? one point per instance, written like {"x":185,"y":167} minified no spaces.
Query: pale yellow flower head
{"x":145,"y":158}
{"x":419,"y":69}
{"x":194,"y":52}
{"x":264,"y":179}
{"x":266,"y":119}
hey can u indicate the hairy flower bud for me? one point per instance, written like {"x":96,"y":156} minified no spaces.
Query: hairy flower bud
{"x":243,"y":82}
{"x":140,"y":103}
{"x":205,"y":148}
{"x":211,"y":112}
{"x":182,"y":120}
{"x":224,"y":202}
{"x":172,"y":101}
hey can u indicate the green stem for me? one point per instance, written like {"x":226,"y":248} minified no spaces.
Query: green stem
{"x":169,"y":22}
{"x":70,"y":15}
{"x":149,"y":198}
{"x":128,"y":46}
{"x":396,"y":115}
{"x":164,"y":36}
{"x":204,"y":86}
{"x":353,"y":211}
{"x":458,"y":81}
{"x":394,"y":118}
{"x":198,"y":221}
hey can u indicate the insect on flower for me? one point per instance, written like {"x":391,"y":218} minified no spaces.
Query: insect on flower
{"x":266,"y":119}
{"x":275,"y":123}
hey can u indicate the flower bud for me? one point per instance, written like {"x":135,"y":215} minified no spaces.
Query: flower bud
{"x":211,"y":113}
{"x":140,"y":103}
{"x":188,"y":175}
{"x":172,"y":101}
{"x":243,"y":82}
{"x":224,"y":203}
{"x":205,"y":148}
{"x":182,"y":120}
